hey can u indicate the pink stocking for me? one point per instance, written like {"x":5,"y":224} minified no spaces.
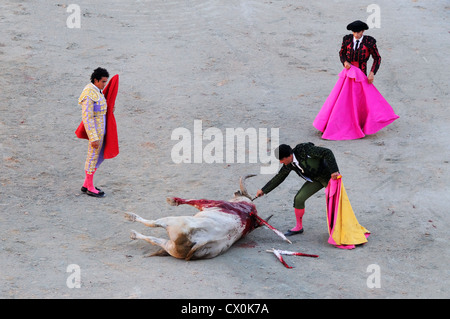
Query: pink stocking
{"x":89,"y":182}
{"x":298,"y":216}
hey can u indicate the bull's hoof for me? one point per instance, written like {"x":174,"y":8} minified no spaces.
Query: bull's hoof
{"x":130,"y":216}
{"x":133,"y":235}
{"x":172,"y":201}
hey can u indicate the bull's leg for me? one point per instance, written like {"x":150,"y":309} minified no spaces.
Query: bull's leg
{"x":150,"y":223}
{"x":194,"y":249}
{"x":200,"y":204}
{"x":163,"y":222}
{"x":167,"y":246}
{"x":161,"y":252}
{"x":150,"y":239}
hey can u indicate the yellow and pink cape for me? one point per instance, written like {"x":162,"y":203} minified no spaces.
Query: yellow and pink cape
{"x":343,"y":227}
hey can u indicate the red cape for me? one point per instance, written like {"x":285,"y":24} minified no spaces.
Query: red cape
{"x":111,"y":140}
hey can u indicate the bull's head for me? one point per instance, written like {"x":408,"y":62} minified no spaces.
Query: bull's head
{"x":243,"y":192}
{"x":257,"y":221}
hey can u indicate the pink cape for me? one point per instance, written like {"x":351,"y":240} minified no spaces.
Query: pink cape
{"x":111,"y":147}
{"x":353,"y":109}
{"x":343,"y":227}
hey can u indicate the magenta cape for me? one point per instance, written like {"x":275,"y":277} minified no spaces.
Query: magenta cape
{"x":343,"y":227}
{"x":111,"y":147}
{"x":353,"y":109}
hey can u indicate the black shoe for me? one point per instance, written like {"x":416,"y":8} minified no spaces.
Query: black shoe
{"x":293,"y":232}
{"x":99,"y":194}
{"x":84,"y":189}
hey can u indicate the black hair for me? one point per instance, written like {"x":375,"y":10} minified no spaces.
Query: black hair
{"x":283,"y":151}
{"x":98,"y":74}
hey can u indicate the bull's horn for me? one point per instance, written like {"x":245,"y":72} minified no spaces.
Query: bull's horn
{"x":242,"y":185}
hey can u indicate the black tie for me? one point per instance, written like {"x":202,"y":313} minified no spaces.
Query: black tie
{"x":357,"y":45}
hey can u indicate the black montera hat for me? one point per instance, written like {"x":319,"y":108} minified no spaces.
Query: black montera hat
{"x":357,"y":26}
{"x":283,"y":151}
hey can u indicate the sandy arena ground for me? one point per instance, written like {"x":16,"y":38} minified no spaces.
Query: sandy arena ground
{"x":230,"y":64}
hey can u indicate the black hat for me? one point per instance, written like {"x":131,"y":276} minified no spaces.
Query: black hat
{"x":357,"y":26}
{"x":283,"y":151}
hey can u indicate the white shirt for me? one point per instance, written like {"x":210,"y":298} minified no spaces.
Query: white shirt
{"x":354,"y":42}
{"x":294,"y":160}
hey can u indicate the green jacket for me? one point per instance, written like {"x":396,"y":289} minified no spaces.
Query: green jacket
{"x":318,"y":163}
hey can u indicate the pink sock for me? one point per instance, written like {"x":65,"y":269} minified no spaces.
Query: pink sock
{"x":86,"y":180}
{"x":89,"y":182}
{"x":298,"y":216}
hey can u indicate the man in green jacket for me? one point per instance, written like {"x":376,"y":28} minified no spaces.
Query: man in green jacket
{"x":316,"y":165}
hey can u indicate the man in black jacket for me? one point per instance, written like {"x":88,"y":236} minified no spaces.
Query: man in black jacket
{"x":314,"y":164}
{"x":356,"y":49}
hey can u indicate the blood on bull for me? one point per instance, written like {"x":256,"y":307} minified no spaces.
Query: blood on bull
{"x":210,"y":232}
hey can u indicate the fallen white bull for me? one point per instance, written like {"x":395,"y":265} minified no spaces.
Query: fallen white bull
{"x":210,"y":232}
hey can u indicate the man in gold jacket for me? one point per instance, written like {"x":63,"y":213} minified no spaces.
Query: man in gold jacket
{"x":93,"y":108}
